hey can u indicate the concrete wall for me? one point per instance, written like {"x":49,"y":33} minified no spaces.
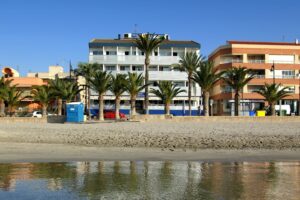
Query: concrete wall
{"x":49,"y":119}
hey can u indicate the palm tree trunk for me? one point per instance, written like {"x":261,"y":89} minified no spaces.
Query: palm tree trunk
{"x":147,"y":62}
{"x":206,"y":103}
{"x":10,"y":110}
{"x":236,"y":103}
{"x":59,"y":106}
{"x":2,"y":108}
{"x":190,"y":95}
{"x":272,"y":106}
{"x":101,"y":107}
{"x":132,"y":106}
{"x":89,"y":103}
{"x":117,"y":107}
{"x":167,"y":108}
{"x":44,"y":107}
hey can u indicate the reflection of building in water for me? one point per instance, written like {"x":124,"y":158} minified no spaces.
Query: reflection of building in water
{"x":54,"y":184}
{"x":287,"y":173}
{"x":11,"y":173}
{"x":158,"y":180}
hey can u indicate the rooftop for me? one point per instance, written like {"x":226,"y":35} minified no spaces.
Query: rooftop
{"x":94,"y":43}
{"x":263,"y":43}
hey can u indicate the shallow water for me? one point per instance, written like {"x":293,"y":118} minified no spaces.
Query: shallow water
{"x":150,"y":180}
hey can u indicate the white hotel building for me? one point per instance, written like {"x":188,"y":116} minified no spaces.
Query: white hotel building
{"x":122,"y":56}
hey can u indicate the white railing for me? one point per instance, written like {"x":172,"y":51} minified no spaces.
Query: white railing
{"x":259,"y":76}
{"x":231,"y":61}
{"x":256,"y":61}
{"x":280,"y":62}
{"x":133,"y":60}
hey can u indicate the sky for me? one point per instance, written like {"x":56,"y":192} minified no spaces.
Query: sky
{"x":37,"y":33}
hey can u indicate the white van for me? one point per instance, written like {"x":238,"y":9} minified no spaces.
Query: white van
{"x":287,"y":108}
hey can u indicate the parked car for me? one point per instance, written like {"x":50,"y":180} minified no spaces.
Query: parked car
{"x":110,"y":114}
{"x":37,"y":114}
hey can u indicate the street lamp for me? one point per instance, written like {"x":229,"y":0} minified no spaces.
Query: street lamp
{"x":273,"y":70}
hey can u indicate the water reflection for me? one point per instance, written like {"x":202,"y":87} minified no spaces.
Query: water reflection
{"x":150,"y":180}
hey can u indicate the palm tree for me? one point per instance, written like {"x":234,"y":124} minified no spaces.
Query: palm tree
{"x":272,"y":94}
{"x":237,"y":78}
{"x":100,"y":82}
{"x":63,"y":90}
{"x":86,"y":70}
{"x":147,"y":43}
{"x":166,"y":92}
{"x":4,"y":87}
{"x":13,"y":98}
{"x":43,"y":95}
{"x":117,"y":87}
{"x":206,"y":77}
{"x":134,"y":84}
{"x":71,"y":91}
{"x":189,"y":63}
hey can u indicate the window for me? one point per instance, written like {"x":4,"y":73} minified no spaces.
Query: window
{"x":153,"y":68}
{"x":137,"y":68}
{"x":97,"y":52}
{"x":288,"y":74}
{"x":164,"y":68}
{"x":175,"y":54}
{"x":110,"y":68}
{"x":165,"y":52}
{"x":111,"y":53}
{"x":124,"y":68}
{"x":179,"y":83}
{"x":127,"y":53}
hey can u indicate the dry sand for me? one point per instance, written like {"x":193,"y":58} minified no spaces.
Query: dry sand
{"x":168,"y":140}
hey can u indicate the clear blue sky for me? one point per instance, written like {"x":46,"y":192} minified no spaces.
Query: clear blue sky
{"x":38,"y":33}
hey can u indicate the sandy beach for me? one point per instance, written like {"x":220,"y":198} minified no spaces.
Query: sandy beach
{"x":164,"y":140}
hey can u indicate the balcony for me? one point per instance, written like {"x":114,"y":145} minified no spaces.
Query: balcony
{"x":256,"y":61}
{"x":134,"y":60}
{"x":259,"y":76}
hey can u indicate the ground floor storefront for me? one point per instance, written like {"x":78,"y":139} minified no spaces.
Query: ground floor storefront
{"x":249,"y":107}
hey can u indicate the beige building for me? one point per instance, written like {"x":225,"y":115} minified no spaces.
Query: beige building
{"x":53,"y":72}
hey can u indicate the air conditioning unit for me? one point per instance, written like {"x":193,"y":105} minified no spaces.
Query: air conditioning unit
{"x":127,"y":35}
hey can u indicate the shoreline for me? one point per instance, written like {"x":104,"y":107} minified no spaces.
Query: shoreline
{"x":33,"y":152}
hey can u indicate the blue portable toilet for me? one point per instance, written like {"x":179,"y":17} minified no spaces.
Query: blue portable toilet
{"x":75,"y":112}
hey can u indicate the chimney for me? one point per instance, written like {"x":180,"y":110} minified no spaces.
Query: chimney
{"x":297,"y":41}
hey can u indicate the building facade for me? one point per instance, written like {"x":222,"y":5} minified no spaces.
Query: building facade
{"x":25,"y":85}
{"x":121,"y":55}
{"x":261,"y":57}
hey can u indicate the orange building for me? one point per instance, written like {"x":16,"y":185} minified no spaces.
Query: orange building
{"x":24,"y":84}
{"x":260,"y":57}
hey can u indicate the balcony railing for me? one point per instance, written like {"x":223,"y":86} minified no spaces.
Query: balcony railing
{"x":256,"y":61}
{"x":134,"y":60}
{"x":259,"y":76}
{"x":280,"y":62}
{"x":231,"y":61}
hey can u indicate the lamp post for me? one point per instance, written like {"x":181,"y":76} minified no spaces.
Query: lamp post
{"x":273,"y":70}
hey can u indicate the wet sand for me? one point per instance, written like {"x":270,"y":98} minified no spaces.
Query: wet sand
{"x":33,"y":152}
